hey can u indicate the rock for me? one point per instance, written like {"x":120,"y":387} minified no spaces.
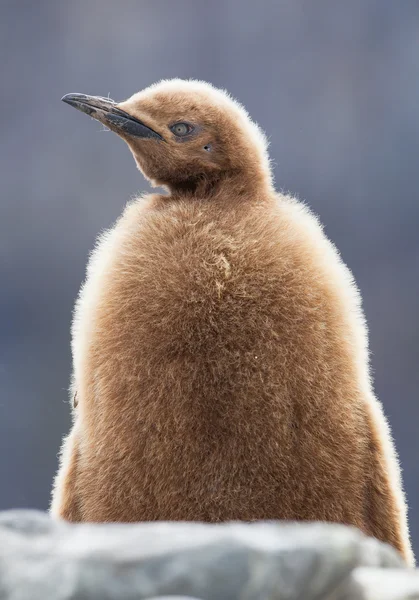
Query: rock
{"x":378,"y":584}
{"x":45,"y":560}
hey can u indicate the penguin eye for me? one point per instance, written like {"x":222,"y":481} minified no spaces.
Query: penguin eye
{"x":181,"y":129}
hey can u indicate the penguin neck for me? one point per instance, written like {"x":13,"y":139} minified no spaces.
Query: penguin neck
{"x":232,"y":183}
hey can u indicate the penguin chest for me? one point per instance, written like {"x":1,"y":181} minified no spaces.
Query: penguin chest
{"x":202,"y":373}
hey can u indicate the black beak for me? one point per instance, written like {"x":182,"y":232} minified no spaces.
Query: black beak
{"x":107,"y":112}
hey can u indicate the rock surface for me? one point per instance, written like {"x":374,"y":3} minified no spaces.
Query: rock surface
{"x":377,"y":584}
{"x":45,"y":560}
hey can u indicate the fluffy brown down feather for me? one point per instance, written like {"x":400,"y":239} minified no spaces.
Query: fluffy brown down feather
{"x":220,"y":351}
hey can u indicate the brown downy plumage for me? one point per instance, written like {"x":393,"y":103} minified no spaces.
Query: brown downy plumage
{"x":220,"y":351}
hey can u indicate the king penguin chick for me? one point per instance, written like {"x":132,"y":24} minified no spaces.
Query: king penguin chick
{"x":220,"y":351}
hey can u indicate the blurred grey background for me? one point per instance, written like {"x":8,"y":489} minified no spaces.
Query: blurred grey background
{"x":336,"y":87}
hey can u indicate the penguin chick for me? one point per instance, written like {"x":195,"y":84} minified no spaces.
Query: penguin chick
{"x":220,"y":351}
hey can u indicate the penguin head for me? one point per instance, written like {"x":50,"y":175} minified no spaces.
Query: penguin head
{"x":184,"y":133}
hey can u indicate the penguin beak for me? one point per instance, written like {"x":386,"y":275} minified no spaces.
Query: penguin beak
{"x":107,"y":112}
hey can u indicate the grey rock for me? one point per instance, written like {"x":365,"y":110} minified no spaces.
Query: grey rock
{"x":377,"y":584}
{"x":45,"y":560}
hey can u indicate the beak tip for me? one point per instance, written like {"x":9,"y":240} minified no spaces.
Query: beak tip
{"x":72,"y":98}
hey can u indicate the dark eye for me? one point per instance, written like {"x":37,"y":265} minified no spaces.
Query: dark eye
{"x":181,"y":129}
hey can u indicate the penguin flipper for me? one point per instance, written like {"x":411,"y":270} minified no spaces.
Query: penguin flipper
{"x":65,"y":504}
{"x":385,"y":507}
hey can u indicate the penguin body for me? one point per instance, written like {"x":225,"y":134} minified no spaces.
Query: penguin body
{"x":220,"y":350}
